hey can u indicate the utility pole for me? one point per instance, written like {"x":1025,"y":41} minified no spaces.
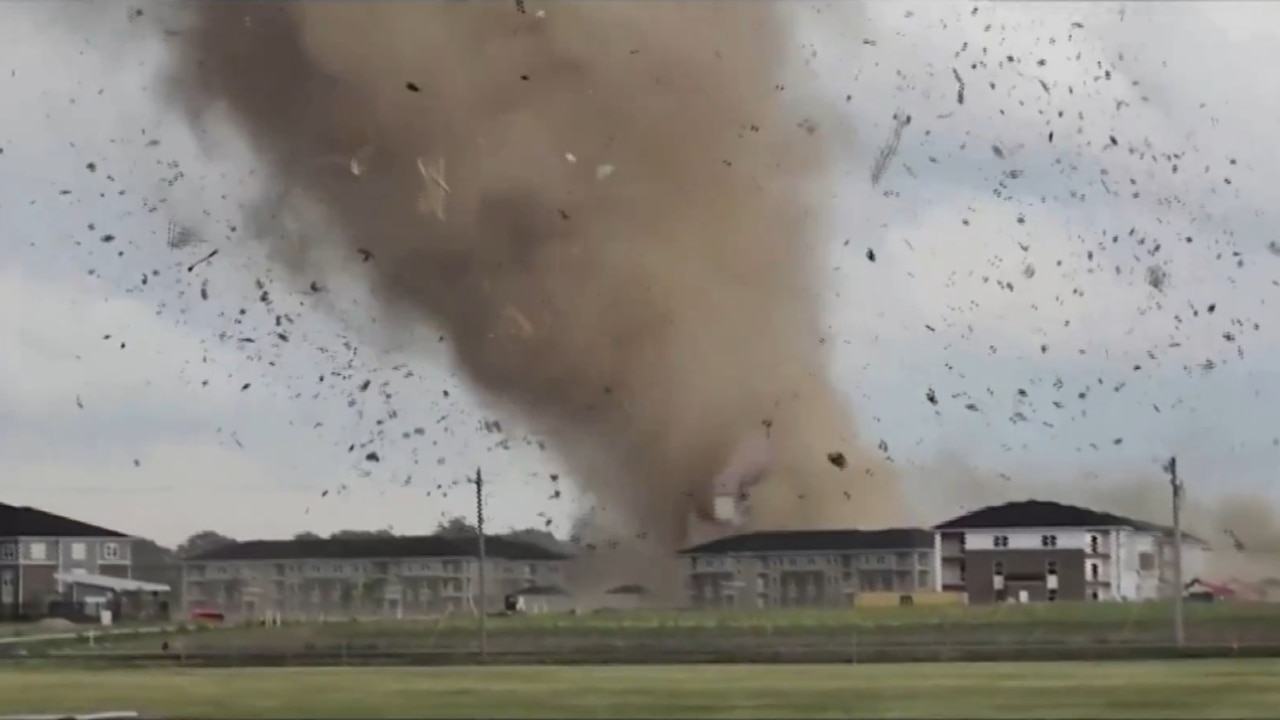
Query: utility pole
{"x":484,"y":633}
{"x":1179,"y":628}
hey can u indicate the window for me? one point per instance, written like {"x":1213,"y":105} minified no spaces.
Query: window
{"x":1146,"y":561}
{"x":78,"y":551}
{"x":1093,"y":594}
{"x":111,"y":551}
{"x":881,"y":559}
{"x":1049,"y":541}
{"x":8,"y":552}
{"x":1093,"y":544}
{"x":1000,"y":541}
{"x":1052,"y":596}
{"x":1094,"y":571}
{"x":1051,"y":567}
{"x":39,"y":551}
{"x":998,"y":568}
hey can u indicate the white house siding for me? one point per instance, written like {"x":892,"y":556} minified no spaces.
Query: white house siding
{"x":1025,"y":538}
{"x":938,"y":578}
{"x":1117,"y":560}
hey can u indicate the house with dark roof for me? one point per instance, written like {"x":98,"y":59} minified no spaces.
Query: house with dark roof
{"x":812,"y":568}
{"x":364,"y":576}
{"x":1037,"y":550}
{"x":49,"y":561}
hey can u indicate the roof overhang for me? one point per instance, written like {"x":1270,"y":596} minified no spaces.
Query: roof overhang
{"x":107,"y":582}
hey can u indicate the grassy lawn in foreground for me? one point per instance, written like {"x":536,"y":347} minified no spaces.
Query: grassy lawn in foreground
{"x":1183,"y":689}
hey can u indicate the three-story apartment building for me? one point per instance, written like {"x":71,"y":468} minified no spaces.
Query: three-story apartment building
{"x":1035,"y":551}
{"x":381,"y":576}
{"x":810,"y":568}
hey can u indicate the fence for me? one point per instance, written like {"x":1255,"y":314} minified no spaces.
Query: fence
{"x":1079,"y":632}
{"x":653,"y":655}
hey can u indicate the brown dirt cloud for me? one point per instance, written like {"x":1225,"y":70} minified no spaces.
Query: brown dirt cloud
{"x":650,"y":302}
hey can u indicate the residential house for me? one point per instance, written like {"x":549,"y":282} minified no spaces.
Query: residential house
{"x":810,"y":568}
{"x":54,"y":564}
{"x":1036,"y":550}
{"x":375,"y":576}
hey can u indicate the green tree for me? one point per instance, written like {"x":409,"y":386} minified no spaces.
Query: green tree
{"x":456,"y":526}
{"x":361,"y":534}
{"x":203,"y":542}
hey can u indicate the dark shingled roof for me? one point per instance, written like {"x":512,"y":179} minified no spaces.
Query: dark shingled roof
{"x":499,"y":548}
{"x":543,"y":590}
{"x":31,"y":522}
{"x":802,"y":541}
{"x":1048,"y":514}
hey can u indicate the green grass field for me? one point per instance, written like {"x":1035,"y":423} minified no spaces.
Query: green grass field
{"x":998,"y":625}
{"x":853,"y":617}
{"x":1182,"y":689}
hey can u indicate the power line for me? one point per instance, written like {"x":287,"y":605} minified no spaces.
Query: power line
{"x":484,"y":610}
{"x":1175,"y":485}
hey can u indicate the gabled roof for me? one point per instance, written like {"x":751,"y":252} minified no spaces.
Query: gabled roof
{"x":1048,"y":514}
{"x":809,"y":541}
{"x":377,"y":548}
{"x":18,"y":521}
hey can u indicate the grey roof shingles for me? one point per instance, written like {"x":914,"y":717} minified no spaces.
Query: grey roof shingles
{"x":806,"y":541}
{"x":18,"y":521}
{"x":421,"y":546}
{"x":1048,"y":514}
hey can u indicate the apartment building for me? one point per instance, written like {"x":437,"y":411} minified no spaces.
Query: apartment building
{"x":379,"y":577}
{"x":51,"y":564}
{"x":810,"y":568}
{"x":1036,"y":550}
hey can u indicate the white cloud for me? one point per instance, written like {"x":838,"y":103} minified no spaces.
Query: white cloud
{"x":77,"y":337}
{"x":182,"y":487}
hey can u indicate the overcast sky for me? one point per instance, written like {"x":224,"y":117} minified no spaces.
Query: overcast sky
{"x":1006,"y":262}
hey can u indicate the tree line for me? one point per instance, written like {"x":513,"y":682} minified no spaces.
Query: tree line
{"x":149,"y":553}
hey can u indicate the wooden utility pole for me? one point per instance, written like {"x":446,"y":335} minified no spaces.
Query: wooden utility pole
{"x":484,"y":633}
{"x":1179,"y":628}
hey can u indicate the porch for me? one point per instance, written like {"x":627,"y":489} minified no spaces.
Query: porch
{"x":89,"y":595}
